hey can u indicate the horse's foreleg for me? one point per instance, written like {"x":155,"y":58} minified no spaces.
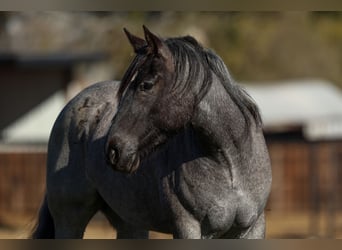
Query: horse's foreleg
{"x":187,"y":229}
{"x":71,"y":214}
{"x":71,"y":221}
{"x":129,"y":232}
{"x":123,"y":229}
{"x":257,"y":231}
{"x":186,"y":226}
{"x":62,"y":219}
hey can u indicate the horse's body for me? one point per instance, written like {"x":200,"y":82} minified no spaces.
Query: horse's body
{"x":210,"y":178}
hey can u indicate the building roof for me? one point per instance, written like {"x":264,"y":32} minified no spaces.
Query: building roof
{"x":314,"y":105}
{"x":35,"y":125}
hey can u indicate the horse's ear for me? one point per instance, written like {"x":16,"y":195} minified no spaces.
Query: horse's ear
{"x":136,"y":42}
{"x":156,"y":44}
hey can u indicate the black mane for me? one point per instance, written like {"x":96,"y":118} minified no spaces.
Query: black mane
{"x":190,"y":60}
{"x":187,"y":51}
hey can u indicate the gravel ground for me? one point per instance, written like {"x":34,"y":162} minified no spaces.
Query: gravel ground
{"x":278,"y":226}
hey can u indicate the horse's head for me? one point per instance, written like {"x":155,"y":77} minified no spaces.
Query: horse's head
{"x":156,"y":98}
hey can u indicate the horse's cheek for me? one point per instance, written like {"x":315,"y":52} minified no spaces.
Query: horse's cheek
{"x":173,"y":117}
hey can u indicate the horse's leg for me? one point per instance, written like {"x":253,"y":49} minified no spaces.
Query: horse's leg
{"x":72,"y":202}
{"x":186,"y":226}
{"x":71,"y":218}
{"x":257,"y":231}
{"x":123,"y":229}
{"x":126,"y":231}
{"x":187,"y":229}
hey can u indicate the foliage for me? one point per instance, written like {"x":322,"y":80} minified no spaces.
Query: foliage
{"x":257,"y":46}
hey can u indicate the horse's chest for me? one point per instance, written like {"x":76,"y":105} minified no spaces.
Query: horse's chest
{"x":206,"y":192}
{"x":203,"y":182}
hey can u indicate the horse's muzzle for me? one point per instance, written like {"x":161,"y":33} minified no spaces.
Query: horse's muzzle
{"x":124,"y":160}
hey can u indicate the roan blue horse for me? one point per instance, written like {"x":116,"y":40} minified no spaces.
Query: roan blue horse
{"x":176,"y":147}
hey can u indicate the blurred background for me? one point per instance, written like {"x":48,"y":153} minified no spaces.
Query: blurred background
{"x":289,"y":62}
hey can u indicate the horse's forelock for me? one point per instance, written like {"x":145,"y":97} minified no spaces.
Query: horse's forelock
{"x":132,"y":70}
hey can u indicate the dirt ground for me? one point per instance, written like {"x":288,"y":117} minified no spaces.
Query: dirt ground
{"x":293,"y":226}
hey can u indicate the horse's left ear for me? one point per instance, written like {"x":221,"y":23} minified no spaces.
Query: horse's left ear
{"x":156,"y":44}
{"x":136,"y":42}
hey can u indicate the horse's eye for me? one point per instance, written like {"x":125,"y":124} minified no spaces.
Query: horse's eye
{"x":146,"y":85}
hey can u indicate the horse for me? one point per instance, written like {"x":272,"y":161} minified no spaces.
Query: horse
{"x":176,"y":147}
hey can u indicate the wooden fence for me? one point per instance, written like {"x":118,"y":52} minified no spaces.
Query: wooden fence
{"x":305,"y":178}
{"x":22,"y":185}
{"x":305,"y":175}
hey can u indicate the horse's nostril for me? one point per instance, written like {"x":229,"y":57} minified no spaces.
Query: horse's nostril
{"x":113,"y":155}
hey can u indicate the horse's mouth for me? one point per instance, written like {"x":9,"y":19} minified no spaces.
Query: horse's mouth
{"x":131,"y":166}
{"x":135,"y":164}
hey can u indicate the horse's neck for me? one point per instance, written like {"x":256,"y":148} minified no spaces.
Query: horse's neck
{"x":223,"y":126}
{"x":219,"y":118}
